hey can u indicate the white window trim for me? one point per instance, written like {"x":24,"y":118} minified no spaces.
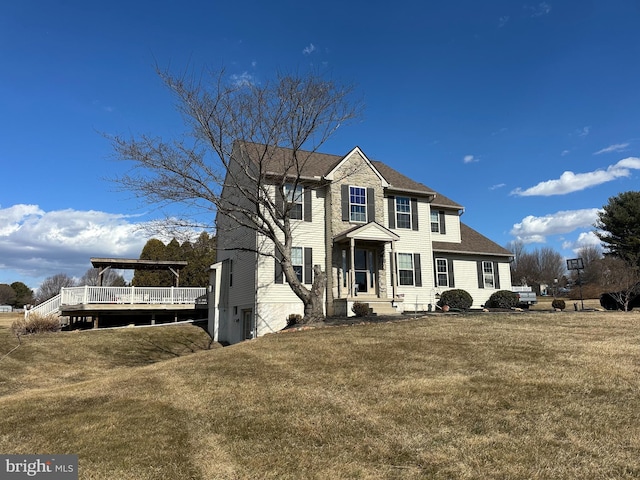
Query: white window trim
{"x":410,"y":213}
{"x":446,"y":272}
{"x":413,"y":269}
{"x":485,"y":273}
{"x":437,"y":222}
{"x":290,"y":197}
{"x":351,"y":220}
{"x":301,"y":265}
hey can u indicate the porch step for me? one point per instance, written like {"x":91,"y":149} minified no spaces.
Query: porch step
{"x":383,"y":309}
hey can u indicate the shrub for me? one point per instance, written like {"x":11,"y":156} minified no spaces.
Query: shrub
{"x":360,"y":309}
{"x":294,"y":319}
{"x":558,"y":304}
{"x":36,"y":324}
{"x":503,"y":299}
{"x":456,"y":298}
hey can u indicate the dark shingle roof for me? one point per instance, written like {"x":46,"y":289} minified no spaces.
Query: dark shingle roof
{"x":472,"y":243}
{"x":315,"y":165}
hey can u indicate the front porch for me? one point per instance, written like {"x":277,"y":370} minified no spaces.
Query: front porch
{"x":360,"y":270}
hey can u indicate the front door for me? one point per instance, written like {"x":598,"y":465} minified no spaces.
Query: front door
{"x":364,"y":263}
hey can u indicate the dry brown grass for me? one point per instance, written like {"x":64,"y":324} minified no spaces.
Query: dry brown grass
{"x":530,"y":395}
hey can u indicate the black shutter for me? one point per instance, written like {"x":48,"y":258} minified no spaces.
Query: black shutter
{"x":308,"y":266}
{"x":279,"y":201}
{"x":496,"y":275}
{"x":414,"y":214}
{"x":278,"y":259}
{"x":392,"y":268}
{"x":417,"y":269}
{"x":345,"y":203}
{"x":307,"y":204}
{"x":371,"y":205}
{"x":443,"y":228}
{"x":391,"y":201}
{"x":480,"y":275}
{"x":452,"y":282}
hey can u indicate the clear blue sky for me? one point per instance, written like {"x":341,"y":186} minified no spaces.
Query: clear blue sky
{"x":525,"y":112}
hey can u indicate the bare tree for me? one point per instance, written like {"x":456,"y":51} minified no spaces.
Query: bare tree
{"x":551,"y":265}
{"x":591,"y":258}
{"x":110,"y":278}
{"x":298,"y":112}
{"x":622,"y":280}
{"x":51,"y":286}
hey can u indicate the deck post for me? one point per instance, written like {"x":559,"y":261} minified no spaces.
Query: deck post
{"x":133,"y":291}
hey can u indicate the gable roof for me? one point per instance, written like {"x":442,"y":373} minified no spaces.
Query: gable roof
{"x":316,"y":166}
{"x":472,"y":243}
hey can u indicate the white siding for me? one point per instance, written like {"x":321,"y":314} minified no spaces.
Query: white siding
{"x":412,"y":241}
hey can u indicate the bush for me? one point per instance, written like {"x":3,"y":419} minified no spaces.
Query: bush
{"x":360,"y":309}
{"x":503,"y":299}
{"x":36,"y":324}
{"x":456,"y":298}
{"x":294,"y":319}
{"x":558,"y":304}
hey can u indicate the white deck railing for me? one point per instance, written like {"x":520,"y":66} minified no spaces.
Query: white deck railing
{"x":131,"y":295}
{"x":120,"y":295}
{"x":48,"y":307}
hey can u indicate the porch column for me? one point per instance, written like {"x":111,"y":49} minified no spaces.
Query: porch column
{"x":352,"y":256}
{"x":394,"y":271}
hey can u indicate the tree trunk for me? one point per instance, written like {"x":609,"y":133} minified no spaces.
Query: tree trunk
{"x":314,"y":305}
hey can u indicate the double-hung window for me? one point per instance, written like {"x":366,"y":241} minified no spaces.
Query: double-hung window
{"x":488,"y":275}
{"x":358,"y":204}
{"x":293,"y":197}
{"x":297,"y":260}
{"x":403,"y":212}
{"x":405,"y":269}
{"x":442,"y":271}
{"x":435,"y":222}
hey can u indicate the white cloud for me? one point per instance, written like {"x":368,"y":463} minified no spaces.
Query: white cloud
{"x":534,"y":229}
{"x":35,"y":244}
{"x":502,"y":21}
{"x":574,"y":182}
{"x":244,"y":79}
{"x":541,"y":9}
{"x":584,"y":131}
{"x":496,"y":186}
{"x":310,"y":49}
{"x":565,"y":152}
{"x":470,"y":159}
{"x":618,"y":147}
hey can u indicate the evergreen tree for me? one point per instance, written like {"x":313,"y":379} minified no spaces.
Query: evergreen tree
{"x":200,"y":254}
{"x":154,"y":249}
{"x":24,"y":295}
{"x":619,"y":227}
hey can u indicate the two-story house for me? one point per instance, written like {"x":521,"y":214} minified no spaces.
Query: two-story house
{"x":381,"y":237}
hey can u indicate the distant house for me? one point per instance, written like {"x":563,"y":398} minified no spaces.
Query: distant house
{"x":381,"y":237}
{"x":6,"y":308}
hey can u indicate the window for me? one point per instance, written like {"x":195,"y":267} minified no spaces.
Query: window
{"x":435,"y":222}
{"x":357,"y":204}
{"x":403,"y":212}
{"x":442,"y":272}
{"x":297,"y":261}
{"x":293,"y":196}
{"x":487,"y":275}
{"x":405,"y":269}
